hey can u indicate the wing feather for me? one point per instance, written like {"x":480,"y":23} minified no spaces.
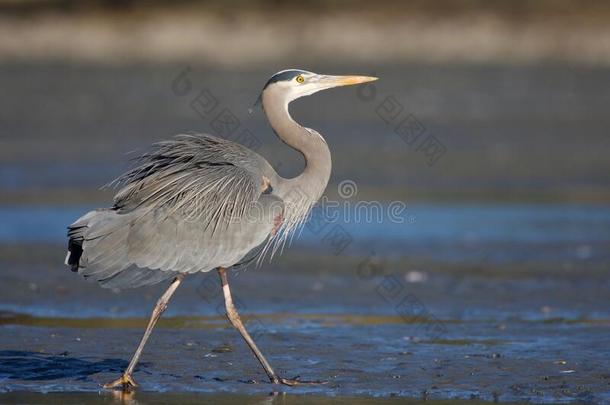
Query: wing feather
{"x":180,"y":210}
{"x":200,"y":177}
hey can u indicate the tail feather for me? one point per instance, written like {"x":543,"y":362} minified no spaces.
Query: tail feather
{"x":98,"y":250}
{"x":75,"y":247}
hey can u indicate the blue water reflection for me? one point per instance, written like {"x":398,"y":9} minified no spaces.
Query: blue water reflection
{"x":498,"y":233}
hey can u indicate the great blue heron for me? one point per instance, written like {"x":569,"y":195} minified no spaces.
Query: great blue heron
{"x":196,"y":203}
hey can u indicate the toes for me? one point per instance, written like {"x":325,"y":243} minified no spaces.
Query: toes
{"x":296,"y":381}
{"x":125,"y":383}
{"x":290,"y":382}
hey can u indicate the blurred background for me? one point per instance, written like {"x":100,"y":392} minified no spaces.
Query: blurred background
{"x":489,"y":122}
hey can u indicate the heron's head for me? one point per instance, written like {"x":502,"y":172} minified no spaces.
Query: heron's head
{"x":295,"y":83}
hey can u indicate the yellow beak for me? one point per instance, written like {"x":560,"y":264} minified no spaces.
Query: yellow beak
{"x":328,"y":81}
{"x":349,"y":80}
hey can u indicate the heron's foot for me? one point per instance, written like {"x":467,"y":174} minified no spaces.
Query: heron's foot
{"x":297,"y":381}
{"x":124,"y":383}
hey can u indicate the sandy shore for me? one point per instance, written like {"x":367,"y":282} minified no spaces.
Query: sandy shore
{"x":264,"y":33}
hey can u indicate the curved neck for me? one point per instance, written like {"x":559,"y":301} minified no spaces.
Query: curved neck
{"x":314,"y":178}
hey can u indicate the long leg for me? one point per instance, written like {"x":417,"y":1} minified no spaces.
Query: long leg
{"x":126,"y":380}
{"x":238,"y":324}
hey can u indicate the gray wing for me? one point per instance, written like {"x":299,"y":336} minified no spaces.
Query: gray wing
{"x":202,"y":177}
{"x":182,"y":209}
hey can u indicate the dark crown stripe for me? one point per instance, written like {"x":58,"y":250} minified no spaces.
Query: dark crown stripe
{"x":284,"y":76}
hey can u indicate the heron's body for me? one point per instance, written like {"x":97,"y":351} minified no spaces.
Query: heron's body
{"x":149,"y":235}
{"x":198,"y":202}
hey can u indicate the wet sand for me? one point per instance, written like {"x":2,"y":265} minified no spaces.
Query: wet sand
{"x":553,"y":360}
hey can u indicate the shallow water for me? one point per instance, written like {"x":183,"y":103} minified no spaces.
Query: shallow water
{"x":197,"y":398}
{"x":498,"y":233}
{"x":470,"y":360}
{"x":368,"y":325}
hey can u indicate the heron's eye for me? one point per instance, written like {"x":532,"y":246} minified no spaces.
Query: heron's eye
{"x":300,"y":79}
